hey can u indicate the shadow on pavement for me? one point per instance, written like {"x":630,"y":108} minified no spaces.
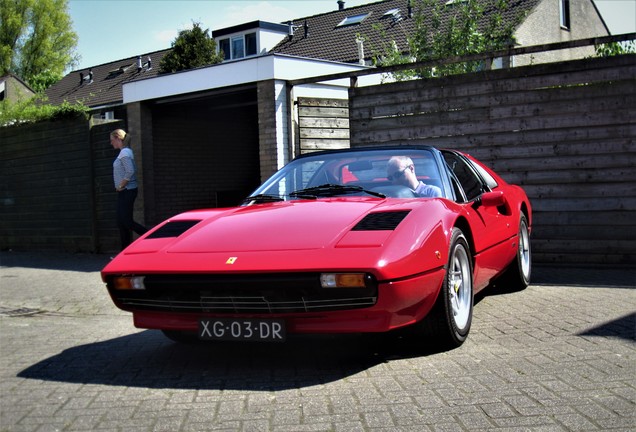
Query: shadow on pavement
{"x":80,"y":262}
{"x":148,"y":359}
{"x":624,"y":328}
{"x":601,"y":277}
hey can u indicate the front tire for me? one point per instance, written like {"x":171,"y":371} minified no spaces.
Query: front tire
{"x":449,"y":322}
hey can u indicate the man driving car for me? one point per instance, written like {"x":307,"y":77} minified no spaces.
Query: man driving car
{"x":401,"y":171}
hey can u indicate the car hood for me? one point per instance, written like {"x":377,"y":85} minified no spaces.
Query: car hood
{"x":293,"y":225}
{"x":353,"y":232}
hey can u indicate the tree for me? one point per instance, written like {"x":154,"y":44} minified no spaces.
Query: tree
{"x":615,"y":48}
{"x":445,"y":29}
{"x":191,"y":49}
{"x":37,"y":41}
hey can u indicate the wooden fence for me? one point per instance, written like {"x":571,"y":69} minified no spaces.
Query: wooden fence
{"x":56,"y":190}
{"x":322,"y":124}
{"x":564,"y":131}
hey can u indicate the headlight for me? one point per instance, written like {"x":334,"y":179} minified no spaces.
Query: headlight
{"x":342,"y":280}
{"x":128,"y":283}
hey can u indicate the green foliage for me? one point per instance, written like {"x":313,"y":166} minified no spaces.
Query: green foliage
{"x":191,"y":49}
{"x":44,"y":80}
{"x":37,"y":41}
{"x":446,"y":30}
{"x":36,"y":110}
{"x":389,"y":54}
{"x":615,"y":48}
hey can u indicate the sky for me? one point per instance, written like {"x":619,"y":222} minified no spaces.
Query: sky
{"x":110,"y":30}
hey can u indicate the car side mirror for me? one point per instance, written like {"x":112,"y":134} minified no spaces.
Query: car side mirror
{"x":493,"y":199}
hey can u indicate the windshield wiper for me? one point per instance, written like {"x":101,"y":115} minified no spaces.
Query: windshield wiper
{"x":328,"y":190}
{"x":262,"y":198}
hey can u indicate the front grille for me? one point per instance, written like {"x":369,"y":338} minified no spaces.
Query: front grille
{"x":261,"y":294}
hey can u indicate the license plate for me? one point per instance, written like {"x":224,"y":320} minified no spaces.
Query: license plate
{"x":242,"y":329}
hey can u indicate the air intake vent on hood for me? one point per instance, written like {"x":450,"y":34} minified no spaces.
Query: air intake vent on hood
{"x":173,"y":229}
{"x":381,"y":221}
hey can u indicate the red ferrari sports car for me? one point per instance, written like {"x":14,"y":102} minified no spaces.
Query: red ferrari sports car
{"x":346,"y":241}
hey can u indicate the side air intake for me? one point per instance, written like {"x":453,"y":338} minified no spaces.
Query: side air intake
{"x":381,"y":221}
{"x":173,"y":229}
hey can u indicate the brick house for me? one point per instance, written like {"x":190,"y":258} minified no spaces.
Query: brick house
{"x":207,"y":137}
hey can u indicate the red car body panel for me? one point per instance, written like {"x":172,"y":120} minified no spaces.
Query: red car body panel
{"x":306,"y":236}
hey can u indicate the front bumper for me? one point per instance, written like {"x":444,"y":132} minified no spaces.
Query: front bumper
{"x":399,"y":303}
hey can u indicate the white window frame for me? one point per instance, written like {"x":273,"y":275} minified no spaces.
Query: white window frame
{"x":564,"y":14}
{"x":353,"y":19}
{"x":238,"y":39}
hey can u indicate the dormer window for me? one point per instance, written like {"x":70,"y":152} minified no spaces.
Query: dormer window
{"x":249,"y":39}
{"x":351,"y":20}
{"x":238,"y":46}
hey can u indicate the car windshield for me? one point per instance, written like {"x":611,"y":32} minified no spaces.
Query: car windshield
{"x":356,"y":172}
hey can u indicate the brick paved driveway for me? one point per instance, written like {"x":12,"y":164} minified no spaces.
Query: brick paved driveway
{"x":559,"y":356}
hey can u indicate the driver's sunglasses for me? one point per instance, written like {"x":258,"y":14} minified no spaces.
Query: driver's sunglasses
{"x":396,"y":175}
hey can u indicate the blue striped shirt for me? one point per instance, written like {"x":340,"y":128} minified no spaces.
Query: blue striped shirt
{"x":124,"y":168}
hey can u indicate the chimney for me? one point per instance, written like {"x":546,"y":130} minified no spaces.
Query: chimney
{"x":360,"y":42}
{"x":139,"y":65}
{"x":81,"y":78}
{"x":341,"y":4}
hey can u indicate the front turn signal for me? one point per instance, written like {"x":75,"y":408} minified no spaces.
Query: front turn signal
{"x":342,"y":280}
{"x":129,"y":283}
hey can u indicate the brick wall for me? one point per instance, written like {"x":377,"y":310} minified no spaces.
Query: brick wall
{"x":267,"y":131}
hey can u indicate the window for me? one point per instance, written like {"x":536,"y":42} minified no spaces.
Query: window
{"x":250,"y":44}
{"x":564,"y":13}
{"x":351,"y":20}
{"x":391,"y":12}
{"x":470,"y":182}
{"x":238,"y":47}
{"x":224,"y":46}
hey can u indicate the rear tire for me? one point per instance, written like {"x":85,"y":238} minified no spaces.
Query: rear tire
{"x":449,"y":322}
{"x":517,"y":276}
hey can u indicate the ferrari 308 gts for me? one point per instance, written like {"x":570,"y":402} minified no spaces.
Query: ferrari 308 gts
{"x":346,"y":241}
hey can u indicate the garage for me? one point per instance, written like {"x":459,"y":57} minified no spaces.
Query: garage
{"x":205,"y":151}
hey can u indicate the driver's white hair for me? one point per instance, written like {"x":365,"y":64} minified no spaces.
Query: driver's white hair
{"x":400,"y":161}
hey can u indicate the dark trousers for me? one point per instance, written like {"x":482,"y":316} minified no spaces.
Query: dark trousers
{"x":125,"y":205}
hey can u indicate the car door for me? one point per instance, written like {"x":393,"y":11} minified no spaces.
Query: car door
{"x":492,"y":226}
